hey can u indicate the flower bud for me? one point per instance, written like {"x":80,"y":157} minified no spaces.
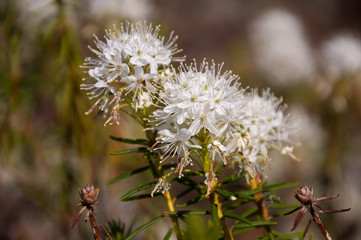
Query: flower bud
{"x":88,"y":194}
{"x":305,"y":195}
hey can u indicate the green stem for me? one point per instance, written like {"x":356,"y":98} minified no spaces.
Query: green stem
{"x":170,"y":202}
{"x":174,"y":218}
{"x":218,"y":216}
{"x":256,"y":183}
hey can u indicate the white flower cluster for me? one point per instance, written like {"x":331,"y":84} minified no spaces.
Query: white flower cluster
{"x":204,"y":106}
{"x":127,"y":63}
{"x":342,"y":55}
{"x":280,"y":49}
{"x":200,"y":113}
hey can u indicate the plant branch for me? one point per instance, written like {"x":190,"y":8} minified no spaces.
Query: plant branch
{"x":256,"y":183}
{"x":219,"y":214}
{"x":174,"y":218}
{"x":94,"y":226}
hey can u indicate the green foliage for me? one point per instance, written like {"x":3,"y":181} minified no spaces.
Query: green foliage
{"x":118,"y":230}
{"x":130,"y":141}
{"x":198,"y":229}
{"x":129,"y":195}
{"x":128,"y":174}
{"x":127,"y":151}
{"x":169,"y":234}
{"x":144,"y":226}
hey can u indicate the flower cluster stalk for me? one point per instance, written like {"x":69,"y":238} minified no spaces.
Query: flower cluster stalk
{"x":256,"y":183}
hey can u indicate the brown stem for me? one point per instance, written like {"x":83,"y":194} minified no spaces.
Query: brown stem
{"x":317,"y":219}
{"x":94,"y":226}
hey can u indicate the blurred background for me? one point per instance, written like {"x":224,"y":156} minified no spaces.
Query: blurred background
{"x":308,"y":52}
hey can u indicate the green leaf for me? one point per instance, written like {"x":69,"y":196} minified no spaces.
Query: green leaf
{"x":144,"y":226}
{"x":233,"y":178}
{"x":129,"y":140}
{"x":225,"y":193}
{"x":283,"y":206}
{"x":188,"y":212}
{"x":127,"y":151}
{"x":169,"y":233}
{"x":238,"y":217}
{"x":278,"y":186}
{"x":247,"y":194}
{"x":254,"y":224}
{"x":188,"y":182}
{"x":242,"y":230}
{"x":249,"y":212}
{"x":141,"y":196}
{"x":135,"y":190}
{"x":128,"y":174}
{"x":185,"y":192}
{"x":289,"y":236}
{"x":193,"y":201}
{"x":215,"y":217}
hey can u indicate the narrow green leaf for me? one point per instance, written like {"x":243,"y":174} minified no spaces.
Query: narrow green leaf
{"x":233,"y":178}
{"x":138,"y":189}
{"x":247,"y":194}
{"x":238,"y":217}
{"x":215,"y":217}
{"x":128,"y":174}
{"x":140,"y":196}
{"x":249,"y":212}
{"x":185,"y":192}
{"x":283,"y":206}
{"x":192,"y":201}
{"x":169,"y":233}
{"x":289,"y":236}
{"x":225,"y":193}
{"x":127,"y":151}
{"x":188,"y":212}
{"x":144,"y":226}
{"x":188,"y":182}
{"x":242,"y":230}
{"x":278,"y":186}
{"x":129,"y":140}
{"x":254,"y":224}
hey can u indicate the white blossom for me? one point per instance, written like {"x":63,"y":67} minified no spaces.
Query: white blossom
{"x":127,"y":62}
{"x":126,"y":9}
{"x":198,"y":101}
{"x":268,"y":127}
{"x":161,"y":186}
{"x":280,"y":51}
{"x":342,"y":55}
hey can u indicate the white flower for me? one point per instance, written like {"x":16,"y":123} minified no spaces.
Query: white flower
{"x":162,"y":185}
{"x":176,"y":143}
{"x":139,"y":81}
{"x":342,"y":55}
{"x":199,"y":99}
{"x":210,"y":181}
{"x":268,"y":128}
{"x":126,"y":9}
{"x":142,"y":100}
{"x":216,"y":147}
{"x":280,"y":49}
{"x":128,"y":60}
